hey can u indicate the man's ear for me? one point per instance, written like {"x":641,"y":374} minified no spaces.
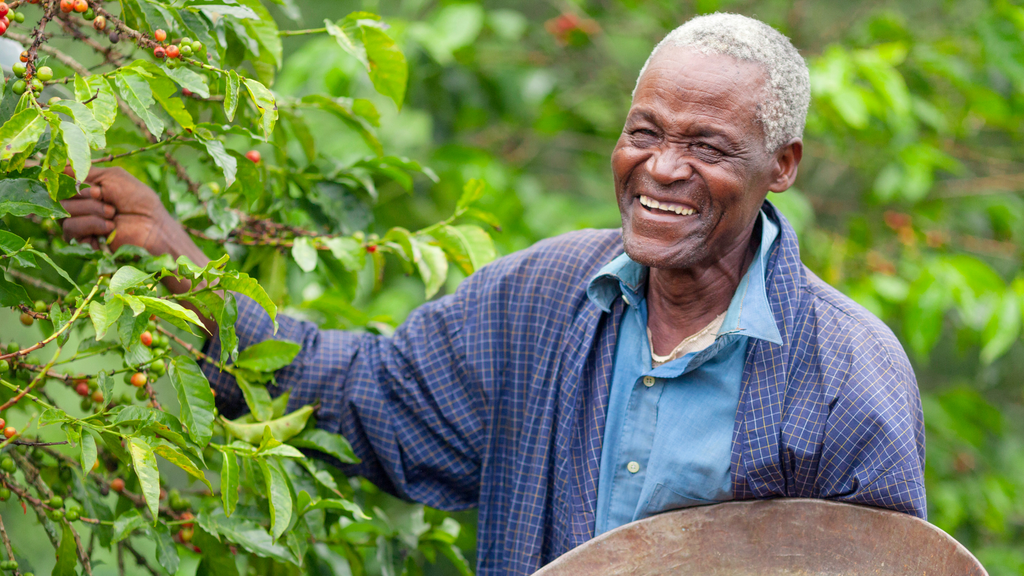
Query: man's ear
{"x":787,"y":159}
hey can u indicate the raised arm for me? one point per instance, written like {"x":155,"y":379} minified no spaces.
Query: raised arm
{"x":409,"y":406}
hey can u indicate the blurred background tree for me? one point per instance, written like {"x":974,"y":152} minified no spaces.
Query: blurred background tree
{"x":909,"y":197}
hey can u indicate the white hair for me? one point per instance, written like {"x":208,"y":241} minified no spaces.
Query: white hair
{"x":787,"y":94}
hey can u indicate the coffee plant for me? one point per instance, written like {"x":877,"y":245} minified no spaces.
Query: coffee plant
{"x":112,"y":439}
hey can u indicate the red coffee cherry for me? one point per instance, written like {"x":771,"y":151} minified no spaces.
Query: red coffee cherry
{"x":172,"y":51}
{"x":138,"y":379}
{"x":254,"y":155}
{"x":160,"y":35}
{"x":117,"y":484}
{"x":159,"y":52}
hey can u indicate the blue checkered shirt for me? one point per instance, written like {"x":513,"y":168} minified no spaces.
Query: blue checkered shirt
{"x":495,"y":396}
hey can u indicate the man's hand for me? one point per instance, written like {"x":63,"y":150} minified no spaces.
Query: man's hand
{"x":118,"y":201}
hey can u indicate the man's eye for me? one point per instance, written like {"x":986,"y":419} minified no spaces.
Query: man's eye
{"x":644,"y":132}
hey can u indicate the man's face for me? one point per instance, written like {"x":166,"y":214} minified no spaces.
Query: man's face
{"x":691,"y":170}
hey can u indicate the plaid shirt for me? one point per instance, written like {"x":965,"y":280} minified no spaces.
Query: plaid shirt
{"x":495,"y":396}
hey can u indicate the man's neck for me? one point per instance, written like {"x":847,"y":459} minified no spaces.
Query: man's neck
{"x":680,"y":302}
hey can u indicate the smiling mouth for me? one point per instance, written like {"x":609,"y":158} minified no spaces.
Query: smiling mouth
{"x":654,"y":205}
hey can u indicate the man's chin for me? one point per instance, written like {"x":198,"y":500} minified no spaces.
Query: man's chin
{"x":659,"y":254}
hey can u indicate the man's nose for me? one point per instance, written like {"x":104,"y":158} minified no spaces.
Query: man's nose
{"x":669,"y":165}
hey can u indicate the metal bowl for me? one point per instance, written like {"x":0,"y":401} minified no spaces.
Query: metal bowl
{"x":772,"y":537}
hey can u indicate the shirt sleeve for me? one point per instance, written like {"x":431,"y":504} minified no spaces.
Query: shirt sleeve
{"x":873,"y":452}
{"x":407,"y":403}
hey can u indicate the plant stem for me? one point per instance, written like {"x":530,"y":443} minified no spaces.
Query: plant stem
{"x":284,"y":33}
{"x":157,"y":144}
{"x":54,"y":336}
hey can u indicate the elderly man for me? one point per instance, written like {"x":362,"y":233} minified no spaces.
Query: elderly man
{"x":604,"y":376}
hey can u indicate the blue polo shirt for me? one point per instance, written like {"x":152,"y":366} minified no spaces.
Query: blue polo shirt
{"x":668,"y":432}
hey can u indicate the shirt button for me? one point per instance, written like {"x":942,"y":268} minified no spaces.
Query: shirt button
{"x":648,"y":381}
{"x":633,"y":467}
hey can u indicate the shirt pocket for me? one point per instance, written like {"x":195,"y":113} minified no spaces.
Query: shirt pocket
{"x":665,"y":498}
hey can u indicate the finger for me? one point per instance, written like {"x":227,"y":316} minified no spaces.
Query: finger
{"x":94,"y":173}
{"x":83,"y":226}
{"x":88,"y":207}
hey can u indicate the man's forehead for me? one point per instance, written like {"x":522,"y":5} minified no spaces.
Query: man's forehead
{"x":691,"y":66}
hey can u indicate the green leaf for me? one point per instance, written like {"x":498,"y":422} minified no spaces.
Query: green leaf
{"x":432,"y":266}
{"x":347,"y":36}
{"x":172,"y":312}
{"x":127,"y":523}
{"x":229,"y":481}
{"x":63,"y":274}
{"x":67,"y":553}
{"x":348,"y":251}
{"x":12,"y":294}
{"x":78,"y":149}
{"x":188,"y":78}
{"x":55,"y":162}
{"x":103,"y":102}
{"x":106,"y":382}
{"x":264,"y":30}
{"x":268,"y":356}
{"x":127,"y":277}
{"x":388,"y":68}
{"x":256,"y":398}
{"x":21,"y":132}
{"x":246,"y":534}
{"x":144,"y":463}
{"x":280,"y":497}
{"x":136,"y":92}
{"x":95,"y":133}
{"x":231,"y":86}
{"x":134,"y":303}
{"x":469,"y":246}
{"x":265,"y":101}
{"x":21,"y":197}
{"x":226,"y":162}
{"x":164,"y":91}
{"x":247,"y":286}
{"x":1003,"y":328}
{"x":334,"y":444}
{"x":341,"y":110}
{"x":179,"y":459}
{"x":105,"y":315}
{"x":166,"y":550}
{"x":88,"y":451}
{"x":59,"y":316}
{"x":195,"y":397}
{"x":304,"y":253}
{"x":471,"y":192}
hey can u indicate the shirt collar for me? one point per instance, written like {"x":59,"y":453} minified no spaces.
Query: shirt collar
{"x":749,"y":313}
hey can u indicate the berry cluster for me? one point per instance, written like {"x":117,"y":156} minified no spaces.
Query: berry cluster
{"x":183,"y":49}
{"x":6,"y":15}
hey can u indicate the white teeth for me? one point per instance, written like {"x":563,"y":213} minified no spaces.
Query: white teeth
{"x":666,"y":206}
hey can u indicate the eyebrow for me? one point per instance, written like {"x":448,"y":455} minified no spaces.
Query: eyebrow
{"x":699,"y":130}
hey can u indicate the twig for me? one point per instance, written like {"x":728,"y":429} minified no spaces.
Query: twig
{"x":7,"y":540}
{"x":62,"y":57}
{"x":53,"y":336}
{"x":38,"y":37}
{"x":140,"y":559}
{"x":152,"y":146}
{"x":285,"y":33}
{"x":38,"y":444}
{"x":37,"y":282}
